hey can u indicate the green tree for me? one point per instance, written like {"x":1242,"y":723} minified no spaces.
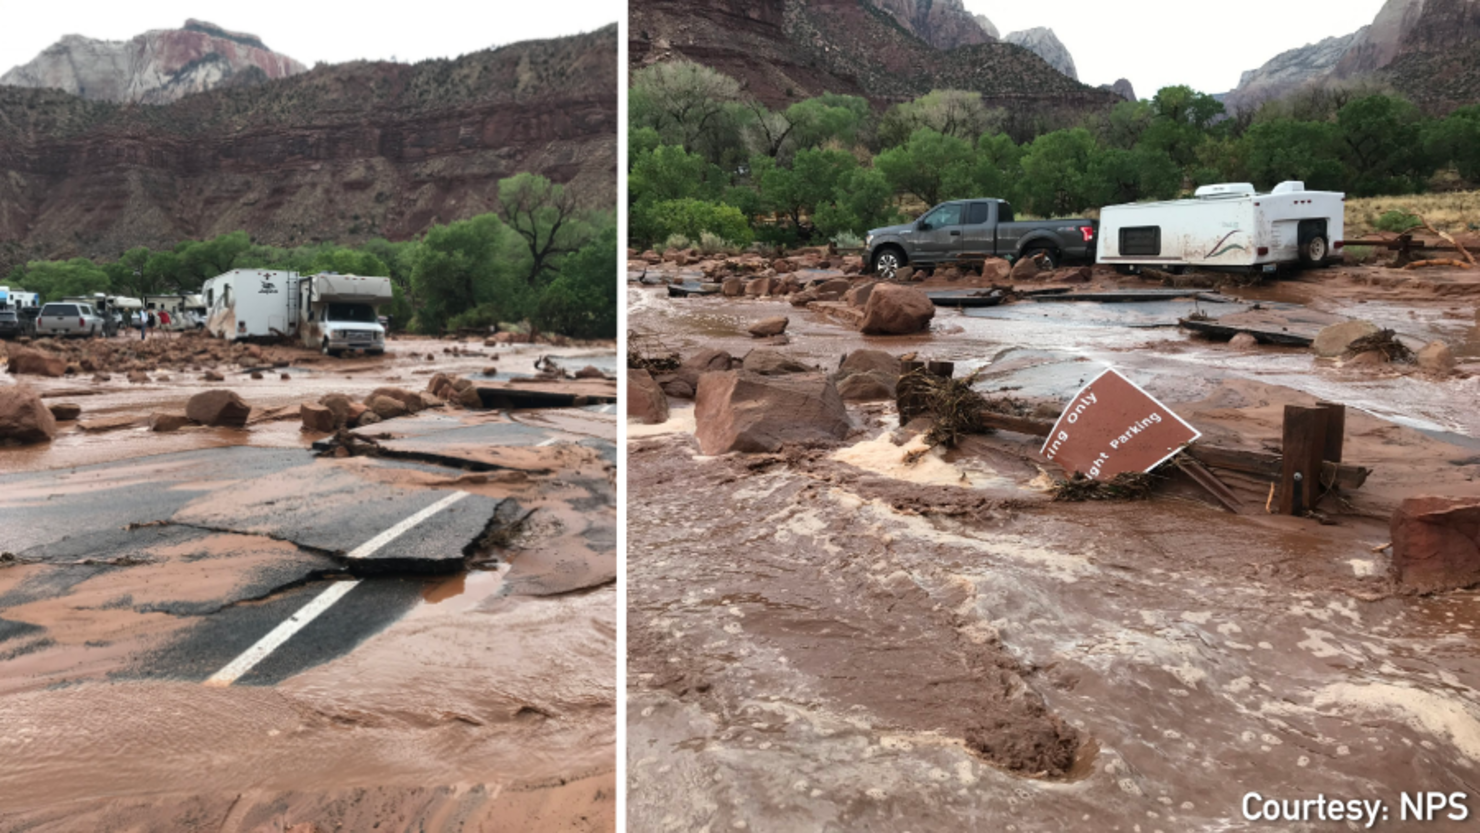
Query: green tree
{"x":1285,"y":149}
{"x":1455,"y":140}
{"x":545,"y":216}
{"x":582,"y":302}
{"x":688,"y":105}
{"x":691,"y":218}
{"x":957,"y":113}
{"x":862,"y":201}
{"x":671,"y":173}
{"x":828,"y":118}
{"x":1122,"y":176}
{"x":54,"y":279}
{"x":932,"y":166}
{"x":462,"y":265}
{"x":811,"y":180}
{"x":1380,"y":139}
{"x":199,"y":262}
{"x":1056,"y":178}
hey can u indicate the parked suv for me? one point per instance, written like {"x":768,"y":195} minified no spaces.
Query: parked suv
{"x":10,"y":323}
{"x":972,"y":230}
{"x":68,"y":320}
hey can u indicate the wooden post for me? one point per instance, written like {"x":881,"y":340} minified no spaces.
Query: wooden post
{"x":944,"y":370}
{"x":1335,"y":430}
{"x":1300,"y":469}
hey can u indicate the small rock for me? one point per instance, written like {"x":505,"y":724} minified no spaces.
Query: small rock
{"x":257,"y":375}
{"x":468,"y":397}
{"x":646,"y":402}
{"x":1333,"y":341}
{"x":368,"y":418}
{"x":1436,"y":544}
{"x":678,"y":389}
{"x":772,"y":363}
{"x":213,"y":376}
{"x":166,"y":422}
{"x":317,"y":418}
{"x":24,"y":419}
{"x":65,"y":411}
{"x":387,"y":407}
{"x":1436,"y":357}
{"x":1243,"y":341}
{"x":218,"y":407}
{"x":137,"y":377}
{"x":589,"y":372}
{"x":768,"y":327}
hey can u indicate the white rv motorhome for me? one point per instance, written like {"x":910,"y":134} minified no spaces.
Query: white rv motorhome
{"x":1227,"y":226}
{"x":251,"y":303}
{"x":330,"y":311}
{"x":340,"y":312}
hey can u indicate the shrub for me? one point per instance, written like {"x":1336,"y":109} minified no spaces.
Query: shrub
{"x":711,"y":243}
{"x":1397,"y":221}
{"x":847,"y":240}
{"x":691,"y":218}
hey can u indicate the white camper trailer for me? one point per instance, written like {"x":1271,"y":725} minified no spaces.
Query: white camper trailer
{"x":340,"y":312}
{"x":184,"y":309}
{"x":251,"y":303}
{"x":1226,"y":226}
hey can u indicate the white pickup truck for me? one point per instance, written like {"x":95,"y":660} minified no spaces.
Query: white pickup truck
{"x":68,"y":319}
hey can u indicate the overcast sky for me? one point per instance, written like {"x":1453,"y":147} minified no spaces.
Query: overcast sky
{"x":1158,"y":43}
{"x":312,"y":31}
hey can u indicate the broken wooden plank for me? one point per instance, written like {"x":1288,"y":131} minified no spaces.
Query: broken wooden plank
{"x":1210,"y":482}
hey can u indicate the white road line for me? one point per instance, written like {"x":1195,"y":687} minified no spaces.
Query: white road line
{"x":368,"y":548}
{"x":550,"y":441}
{"x":322,"y":602}
{"x":606,"y":409}
{"x":280,"y":634}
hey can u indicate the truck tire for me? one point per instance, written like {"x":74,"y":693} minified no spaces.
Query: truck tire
{"x":1314,"y":251}
{"x":327,"y":351}
{"x":1050,"y":257}
{"x":888,"y":261}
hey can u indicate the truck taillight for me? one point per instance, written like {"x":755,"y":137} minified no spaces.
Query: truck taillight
{"x":1088,"y":232}
{"x":1262,"y":250}
{"x":1339,"y":244}
{"x":81,"y":323}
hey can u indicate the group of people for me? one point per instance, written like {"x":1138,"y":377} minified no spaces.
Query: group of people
{"x":162,"y":319}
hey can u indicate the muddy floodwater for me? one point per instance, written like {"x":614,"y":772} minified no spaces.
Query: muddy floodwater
{"x":445,"y":619}
{"x":836,"y":638}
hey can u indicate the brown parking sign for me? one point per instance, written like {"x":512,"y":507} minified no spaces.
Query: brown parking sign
{"x":1112,"y":427}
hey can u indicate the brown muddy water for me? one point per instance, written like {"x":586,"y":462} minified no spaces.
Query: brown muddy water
{"x":488,"y":704}
{"x":835,"y":640}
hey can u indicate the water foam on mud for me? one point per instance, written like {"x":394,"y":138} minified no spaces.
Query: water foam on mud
{"x":914,"y":462}
{"x":1425,"y":711}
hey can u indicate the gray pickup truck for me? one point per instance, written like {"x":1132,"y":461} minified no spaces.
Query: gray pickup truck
{"x":963,"y":230}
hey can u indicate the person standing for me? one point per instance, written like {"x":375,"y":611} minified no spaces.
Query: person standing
{"x":142,"y":323}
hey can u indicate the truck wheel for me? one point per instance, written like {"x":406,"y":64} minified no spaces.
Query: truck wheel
{"x":1050,"y":257}
{"x":888,"y":262}
{"x":326,"y":349}
{"x":1314,"y":251}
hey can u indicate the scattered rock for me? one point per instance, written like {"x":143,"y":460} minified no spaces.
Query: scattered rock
{"x":750,"y":413}
{"x":758,"y":287}
{"x":904,"y":273}
{"x":704,"y":361}
{"x":1243,"y":341}
{"x":218,"y":407}
{"x":896,"y":310}
{"x":285,"y":377}
{"x":864,"y":361}
{"x":869,"y":386}
{"x":767,"y":327}
{"x":357,"y":413}
{"x":65,"y":411}
{"x":803,"y":298}
{"x":678,"y":389}
{"x":1026,"y":268}
{"x":646,"y":401}
{"x":1333,"y":341}
{"x":732,"y":287}
{"x":137,"y":377}
{"x":1436,"y":357}
{"x":339,"y":405}
{"x":24,"y":419}
{"x":317,"y":418}
{"x":101,"y":377}
{"x":468,"y":397}
{"x":368,"y":418}
{"x":213,"y":376}
{"x":832,"y":290}
{"x":430,"y":400}
{"x":772,"y":363}
{"x":387,"y":407}
{"x":166,"y":422}
{"x":589,"y":372}
{"x":857,"y":296}
{"x":257,"y":375}
{"x":410,"y":400}
{"x":1436,"y":544}
{"x":1370,"y":358}
{"x":36,"y":363}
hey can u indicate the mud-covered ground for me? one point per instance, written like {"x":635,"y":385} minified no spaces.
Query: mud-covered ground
{"x":833,"y":639}
{"x":464,"y":682}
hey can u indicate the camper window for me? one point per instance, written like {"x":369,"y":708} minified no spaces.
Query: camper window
{"x":358,"y":313}
{"x":1140,"y":241}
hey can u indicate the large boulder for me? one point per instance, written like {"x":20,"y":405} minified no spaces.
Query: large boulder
{"x":772,"y":363}
{"x":387,"y":407}
{"x":1436,"y":357}
{"x":646,"y":402}
{"x":767,"y":327}
{"x":832,"y":289}
{"x":1436,"y":544}
{"x":732,"y":287}
{"x":869,"y":386}
{"x":1026,"y":268}
{"x":317,"y":418}
{"x":410,"y":399}
{"x":163,"y":422}
{"x":36,"y":363}
{"x":704,"y":361}
{"x":1333,"y":341}
{"x":896,"y":310}
{"x":24,"y":418}
{"x":340,"y":406}
{"x":677,"y":389}
{"x":863,"y":361}
{"x":218,"y":407}
{"x":857,"y":296}
{"x":750,"y":413}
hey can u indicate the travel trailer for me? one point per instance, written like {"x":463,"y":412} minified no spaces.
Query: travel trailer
{"x":1229,"y":226}
{"x":18,"y":299}
{"x":330,"y":311}
{"x":186,"y":311}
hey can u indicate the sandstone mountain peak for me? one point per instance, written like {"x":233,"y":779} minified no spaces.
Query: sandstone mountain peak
{"x":156,"y":67}
{"x":1042,"y":41}
{"x":944,"y":24}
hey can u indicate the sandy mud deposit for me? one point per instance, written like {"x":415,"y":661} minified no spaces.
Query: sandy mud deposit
{"x":405,"y":622}
{"x":869,"y":634}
